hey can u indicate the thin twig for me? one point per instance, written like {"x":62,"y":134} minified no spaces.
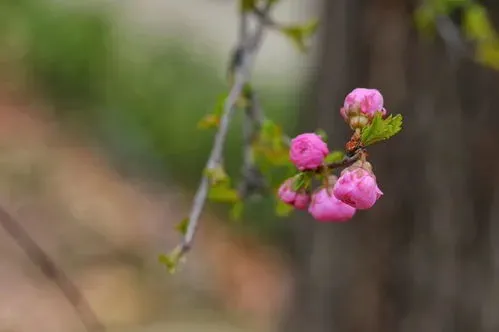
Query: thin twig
{"x":51,"y":271}
{"x":264,"y":17}
{"x":347,"y":161}
{"x":242,"y":75}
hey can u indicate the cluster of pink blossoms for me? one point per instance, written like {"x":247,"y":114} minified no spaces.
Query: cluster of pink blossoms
{"x":337,"y":199}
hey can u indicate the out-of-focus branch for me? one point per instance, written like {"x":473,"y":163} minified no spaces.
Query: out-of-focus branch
{"x":262,"y":14}
{"x":244,"y":54}
{"x":452,"y":37}
{"x":51,"y":271}
{"x":252,"y":178}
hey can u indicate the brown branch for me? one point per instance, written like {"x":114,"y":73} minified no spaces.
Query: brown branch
{"x":51,"y":271}
{"x":347,"y":161}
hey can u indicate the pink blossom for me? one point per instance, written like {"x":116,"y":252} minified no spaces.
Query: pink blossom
{"x":299,"y":200}
{"x":325,"y":207}
{"x":308,"y":151}
{"x":364,"y":103}
{"x":357,"y":187}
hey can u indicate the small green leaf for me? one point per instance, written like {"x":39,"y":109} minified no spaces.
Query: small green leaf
{"x":212,"y":120}
{"x":334,"y":157}
{"x":209,"y":121}
{"x":171,"y":261}
{"x":425,"y":15}
{"x":299,"y":34}
{"x":381,"y":129}
{"x":477,"y":24}
{"x":424,"y":18}
{"x":223,"y":194}
{"x":220,"y":105}
{"x":322,"y":133}
{"x":247,"y":90}
{"x":298,"y":182}
{"x":182,"y":226}
{"x":242,"y":102}
{"x":217,"y":175}
{"x":302,"y":181}
{"x":487,"y":53}
{"x":478,"y":27}
{"x":237,"y":211}
{"x":282,"y":209}
{"x":270,"y":130}
{"x":270,"y":146}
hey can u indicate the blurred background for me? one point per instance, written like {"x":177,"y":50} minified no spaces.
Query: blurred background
{"x":100,"y":157}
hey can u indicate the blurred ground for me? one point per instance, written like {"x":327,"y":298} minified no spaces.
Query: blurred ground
{"x":106,"y":231}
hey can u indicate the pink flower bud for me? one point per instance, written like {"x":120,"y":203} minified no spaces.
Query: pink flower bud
{"x":358,"y":188}
{"x":299,"y":200}
{"x":326,"y":207}
{"x":308,"y":151}
{"x":361,"y":105}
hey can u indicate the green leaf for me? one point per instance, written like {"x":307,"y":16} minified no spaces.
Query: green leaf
{"x":223,"y":194}
{"x":477,"y":24}
{"x":212,"y":120}
{"x":270,"y":131}
{"x":334,"y":157}
{"x":478,"y":27}
{"x":171,"y":261}
{"x":487,"y":53}
{"x":220,"y":190}
{"x":425,"y":15}
{"x":220,"y":105}
{"x":270,"y":146}
{"x":247,"y":90}
{"x":209,"y":121}
{"x":298,"y":182}
{"x":424,"y":18}
{"x":381,"y":129}
{"x":302,"y":181}
{"x":237,"y":211}
{"x":322,"y":133}
{"x":217,"y":175}
{"x":299,"y":34}
{"x":275,"y":155}
{"x":182,"y":226}
{"x":282,"y":209}
{"x":168,"y":262}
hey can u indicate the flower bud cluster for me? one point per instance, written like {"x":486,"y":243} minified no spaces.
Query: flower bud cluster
{"x":338,"y":198}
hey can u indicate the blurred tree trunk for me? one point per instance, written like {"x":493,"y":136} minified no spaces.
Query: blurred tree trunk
{"x":426,"y":257}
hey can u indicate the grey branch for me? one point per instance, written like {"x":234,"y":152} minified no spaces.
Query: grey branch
{"x":247,"y":49}
{"x":457,"y":45}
